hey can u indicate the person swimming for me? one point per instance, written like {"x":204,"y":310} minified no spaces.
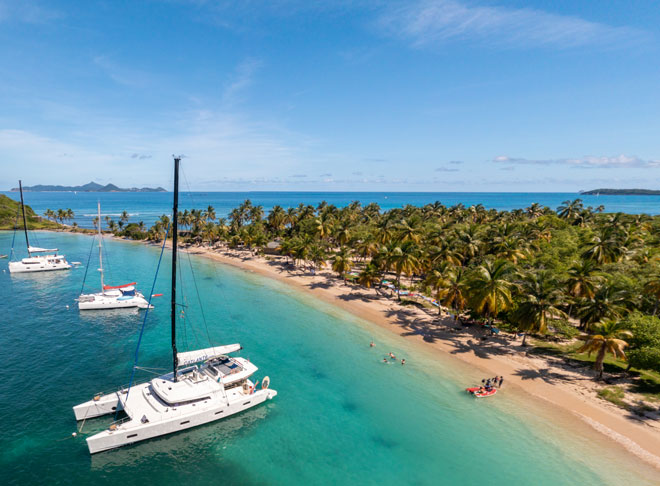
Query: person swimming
{"x":403,"y":361}
{"x":371,"y":345}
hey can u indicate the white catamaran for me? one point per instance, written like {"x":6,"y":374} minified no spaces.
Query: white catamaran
{"x":204,"y":386}
{"x":118,"y":297}
{"x":37,"y":263}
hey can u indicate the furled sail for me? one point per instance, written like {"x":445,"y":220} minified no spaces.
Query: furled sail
{"x":192,"y":357}
{"x":35,"y":249}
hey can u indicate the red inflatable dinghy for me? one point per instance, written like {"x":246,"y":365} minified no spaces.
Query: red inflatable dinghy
{"x":486,"y":393}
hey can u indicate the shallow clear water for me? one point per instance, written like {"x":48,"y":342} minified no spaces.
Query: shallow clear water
{"x":341,"y":416}
{"x":148,"y":207}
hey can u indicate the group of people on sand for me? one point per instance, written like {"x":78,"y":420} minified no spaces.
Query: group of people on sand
{"x":489,"y":383}
{"x":391,"y":355}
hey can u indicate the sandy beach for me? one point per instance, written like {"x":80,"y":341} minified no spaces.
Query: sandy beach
{"x":549,"y":379}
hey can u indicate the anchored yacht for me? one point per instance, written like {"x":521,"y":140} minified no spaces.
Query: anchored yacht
{"x":117,"y":297}
{"x":37,"y":263}
{"x":205,"y":385}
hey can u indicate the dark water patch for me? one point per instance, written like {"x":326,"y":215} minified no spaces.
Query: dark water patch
{"x":350,"y":406}
{"x":384,"y":442}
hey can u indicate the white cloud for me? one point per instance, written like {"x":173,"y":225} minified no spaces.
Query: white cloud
{"x":432,"y":22}
{"x":242,"y":78}
{"x":586,"y":162}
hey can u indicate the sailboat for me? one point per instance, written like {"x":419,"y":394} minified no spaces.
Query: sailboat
{"x":46,"y":259}
{"x":117,"y":297}
{"x":205,"y":385}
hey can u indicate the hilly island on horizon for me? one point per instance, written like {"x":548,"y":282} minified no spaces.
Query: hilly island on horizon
{"x":89,"y":187}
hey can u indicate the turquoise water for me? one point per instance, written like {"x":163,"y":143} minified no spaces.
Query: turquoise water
{"x":148,"y":207}
{"x":341,"y":416}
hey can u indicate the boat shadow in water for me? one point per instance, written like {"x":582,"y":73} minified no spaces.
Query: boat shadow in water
{"x":40,"y":280}
{"x":109,"y":318}
{"x":201,"y":443}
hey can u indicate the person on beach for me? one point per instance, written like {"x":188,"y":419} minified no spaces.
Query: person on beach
{"x":501,"y":381}
{"x":488,"y":383}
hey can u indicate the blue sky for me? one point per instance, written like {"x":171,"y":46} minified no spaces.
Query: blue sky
{"x":432,"y":95}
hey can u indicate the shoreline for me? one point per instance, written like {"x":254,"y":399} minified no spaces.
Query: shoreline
{"x":531,"y":376}
{"x":544,"y":379}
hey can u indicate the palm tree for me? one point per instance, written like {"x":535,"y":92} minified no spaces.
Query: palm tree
{"x":70,"y":214}
{"x":403,"y":259}
{"x":607,"y":247}
{"x":408,"y":231}
{"x":452,"y":290}
{"x":540,"y":298}
{"x":490,"y":289}
{"x":534,"y":211}
{"x":210,"y":213}
{"x":607,"y":339}
{"x":570,"y":210}
{"x":276,"y":219}
{"x":367,"y":248}
{"x":652,"y":289}
{"x":342,"y":262}
{"x":209,"y":233}
{"x":123,"y":218}
{"x":582,"y":279}
{"x":607,"y":303}
{"x":369,"y":276}
{"x":342,"y":234}
{"x":50,"y":214}
{"x":317,"y":256}
{"x":256,"y":214}
{"x":323,"y":225}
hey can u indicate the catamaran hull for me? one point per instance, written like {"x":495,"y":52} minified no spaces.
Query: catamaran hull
{"x":99,"y":304}
{"x":101,"y":405}
{"x":20,"y":267}
{"x":127,"y":434}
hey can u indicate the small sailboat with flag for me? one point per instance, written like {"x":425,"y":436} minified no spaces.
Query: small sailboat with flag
{"x":111,"y":297}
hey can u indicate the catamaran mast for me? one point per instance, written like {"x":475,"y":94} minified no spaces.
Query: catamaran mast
{"x":27,"y":240}
{"x":175,"y":213}
{"x":100,"y":248}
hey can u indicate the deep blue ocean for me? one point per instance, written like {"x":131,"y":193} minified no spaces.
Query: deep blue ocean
{"x":147,"y":207}
{"x":342,"y":416}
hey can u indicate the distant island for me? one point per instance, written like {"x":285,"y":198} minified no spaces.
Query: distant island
{"x":90,"y":187}
{"x":621,"y":192}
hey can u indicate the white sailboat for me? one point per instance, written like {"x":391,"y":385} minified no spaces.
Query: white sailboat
{"x":117,"y":297}
{"x":39,"y":259}
{"x":205,"y":385}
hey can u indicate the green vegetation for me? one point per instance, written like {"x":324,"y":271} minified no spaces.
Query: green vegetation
{"x":615,"y":395}
{"x":574,"y":272}
{"x":9,"y":212}
{"x":622,"y":192}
